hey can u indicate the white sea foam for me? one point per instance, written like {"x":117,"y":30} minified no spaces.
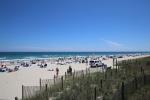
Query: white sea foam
{"x":2,"y":58}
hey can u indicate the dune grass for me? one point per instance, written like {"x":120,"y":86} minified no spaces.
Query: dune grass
{"x":96,"y":85}
{"x":141,"y":94}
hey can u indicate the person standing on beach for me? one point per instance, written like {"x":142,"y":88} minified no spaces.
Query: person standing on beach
{"x":70,"y":70}
{"x":57,"y":72}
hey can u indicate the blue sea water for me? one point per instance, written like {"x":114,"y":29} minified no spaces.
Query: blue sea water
{"x":36,"y":55}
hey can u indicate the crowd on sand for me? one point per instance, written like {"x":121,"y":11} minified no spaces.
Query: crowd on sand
{"x":5,"y":65}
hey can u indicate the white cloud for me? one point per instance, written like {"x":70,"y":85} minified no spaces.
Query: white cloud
{"x":114,"y":46}
{"x":112,"y":43}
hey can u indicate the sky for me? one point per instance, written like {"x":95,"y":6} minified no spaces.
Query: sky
{"x":74,"y":25}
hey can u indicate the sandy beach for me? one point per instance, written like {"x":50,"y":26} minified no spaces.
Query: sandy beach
{"x":11,"y":83}
{"x":68,"y":49}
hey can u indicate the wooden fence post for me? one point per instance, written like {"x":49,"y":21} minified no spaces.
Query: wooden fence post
{"x":82,"y":73}
{"x":16,"y":98}
{"x":141,"y":70}
{"x":95,"y":93}
{"x":144,"y":79}
{"x":22,"y":92}
{"x":117,"y":63}
{"x":62,"y":83}
{"x":116,"y":66}
{"x":54,"y":80}
{"x":113,"y":62}
{"x":122,"y":91}
{"x":111,"y":72}
{"x":86,"y":71}
{"x":65,"y":75}
{"x":46,"y":89}
{"x":89,"y":72}
{"x":40,"y":83}
{"x":136,"y":86}
{"x":106,"y":75}
{"x":73,"y":76}
{"x":73,"y":79}
{"x":74,"y":73}
{"x":101,"y":83}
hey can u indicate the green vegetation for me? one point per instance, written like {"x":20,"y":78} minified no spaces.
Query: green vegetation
{"x":141,"y":94}
{"x":108,"y":85}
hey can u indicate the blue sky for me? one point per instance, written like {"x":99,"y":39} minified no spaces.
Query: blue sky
{"x":74,"y":25}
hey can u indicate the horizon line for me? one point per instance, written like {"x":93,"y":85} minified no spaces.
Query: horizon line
{"x":77,"y":51}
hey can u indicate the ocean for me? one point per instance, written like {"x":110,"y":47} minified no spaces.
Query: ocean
{"x":44,"y":55}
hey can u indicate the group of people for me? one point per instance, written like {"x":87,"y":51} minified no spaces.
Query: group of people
{"x":43,"y":65}
{"x":25,"y":64}
{"x":69,"y":71}
{"x":4,"y":68}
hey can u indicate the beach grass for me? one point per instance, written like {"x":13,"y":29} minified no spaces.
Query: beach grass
{"x":91,"y":86}
{"x":141,"y":94}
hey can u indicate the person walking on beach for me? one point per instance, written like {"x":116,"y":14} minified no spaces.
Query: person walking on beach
{"x":57,"y":72}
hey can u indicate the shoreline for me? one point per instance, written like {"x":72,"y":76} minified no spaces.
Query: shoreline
{"x":20,"y":56}
{"x":10,"y":85}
